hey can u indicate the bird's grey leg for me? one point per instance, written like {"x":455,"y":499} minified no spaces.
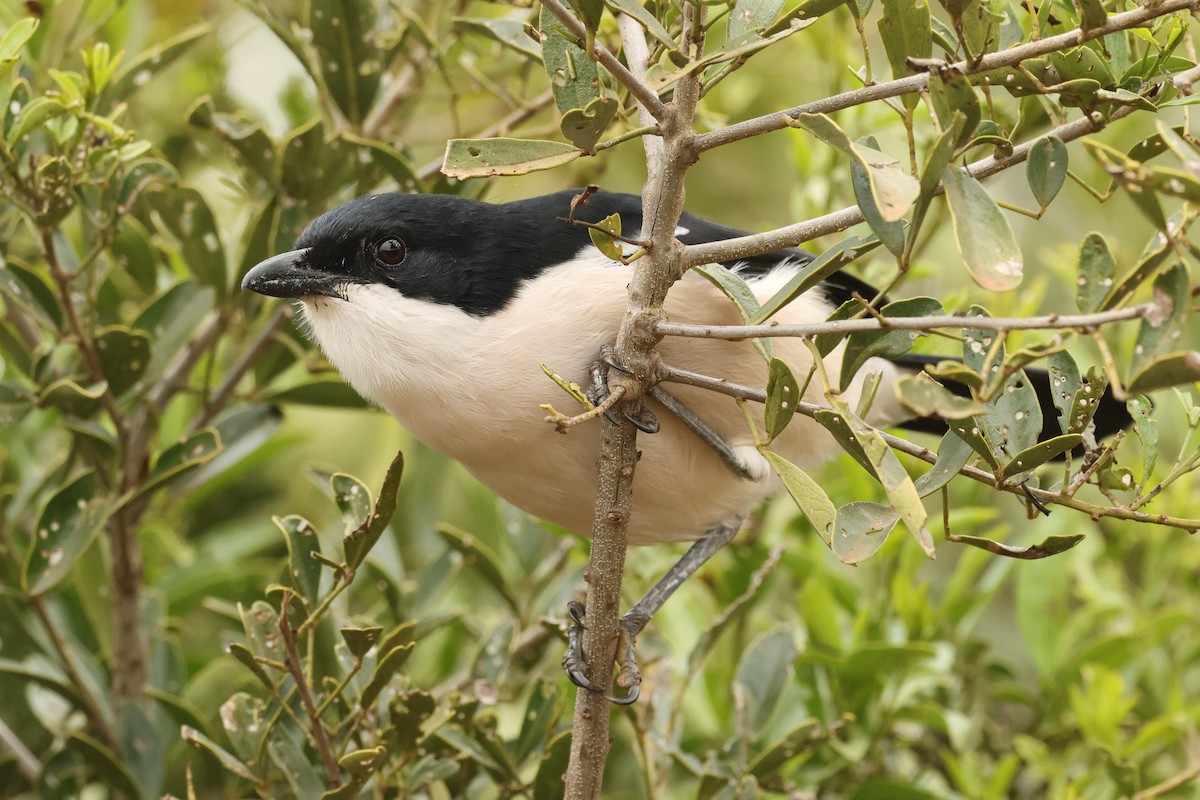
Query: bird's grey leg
{"x":635,"y":620}
{"x":701,"y":428}
{"x":647,"y":422}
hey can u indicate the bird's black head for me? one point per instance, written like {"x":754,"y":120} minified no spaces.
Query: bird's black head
{"x":439,"y":248}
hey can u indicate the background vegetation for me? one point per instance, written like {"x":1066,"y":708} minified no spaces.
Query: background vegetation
{"x":161,"y":634}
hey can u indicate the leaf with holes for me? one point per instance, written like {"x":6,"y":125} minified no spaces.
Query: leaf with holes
{"x":584,"y":126}
{"x":353,"y":499}
{"x":1162,"y":328}
{"x":302,"y":543}
{"x":1097,"y":268}
{"x":602,"y":237}
{"x":181,"y":457}
{"x":574,"y":77}
{"x":807,"y":493}
{"x":486,"y":158}
{"x":1064,"y":382}
{"x":65,"y":528}
{"x":783,"y":395}
{"x":1046,"y":169}
{"x":124,"y":354}
{"x":357,"y":544}
{"x":861,"y":529}
{"x":1040,"y":453}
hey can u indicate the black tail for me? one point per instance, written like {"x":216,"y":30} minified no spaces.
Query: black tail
{"x":1111,"y":415}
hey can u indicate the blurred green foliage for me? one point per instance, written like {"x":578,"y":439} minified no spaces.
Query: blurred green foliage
{"x":160,"y":635}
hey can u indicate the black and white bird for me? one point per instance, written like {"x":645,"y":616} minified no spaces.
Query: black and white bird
{"x":442,"y":310}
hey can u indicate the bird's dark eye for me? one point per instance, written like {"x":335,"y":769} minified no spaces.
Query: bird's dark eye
{"x":390,"y":251}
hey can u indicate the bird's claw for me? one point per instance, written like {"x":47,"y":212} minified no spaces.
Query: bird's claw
{"x":575,"y":665}
{"x":643,"y":419}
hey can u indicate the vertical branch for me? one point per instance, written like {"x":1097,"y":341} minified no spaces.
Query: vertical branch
{"x":668,"y":158}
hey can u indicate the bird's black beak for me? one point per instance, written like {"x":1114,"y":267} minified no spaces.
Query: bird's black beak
{"x":290,"y":275}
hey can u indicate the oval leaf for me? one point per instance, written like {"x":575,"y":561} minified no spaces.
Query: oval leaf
{"x":984,"y":236}
{"x":486,"y":158}
{"x":72,"y":517}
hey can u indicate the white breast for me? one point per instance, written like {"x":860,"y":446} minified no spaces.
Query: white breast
{"x":471,"y":388}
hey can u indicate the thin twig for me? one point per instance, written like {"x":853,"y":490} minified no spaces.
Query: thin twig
{"x":27,"y":763}
{"x":564,"y":423}
{"x":1174,"y":782}
{"x":1084,"y":322}
{"x":216,"y":403}
{"x":919,"y":83}
{"x":320,"y":735}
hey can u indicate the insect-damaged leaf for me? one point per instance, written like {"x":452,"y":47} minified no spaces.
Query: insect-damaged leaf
{"x":807,"y":493}
{"x":574,"y":77}
{"x":861,"y":529}
{"x":602,"y":236}
{"x":585,"y":126}
{"x":357,"y":544}
{"x":353,"y":499}
{"x":783,"y":395}
{"x":1086,"y":400}
{"x":1040,"y":453}
{"x":302,"y":542}
{"x":1162,"y":327}
{"x":984,"y":236}
{"x":202,"y":447}
{"x":124,"y":354}
{"x":485,"y":158}
{"x":67,"y":525}
{"x":1064,"y":382}
{"x":1097,"y":267}
{"x":893,"y":190}
{"x":1175,"y":369}
{"x":1046,"y":169}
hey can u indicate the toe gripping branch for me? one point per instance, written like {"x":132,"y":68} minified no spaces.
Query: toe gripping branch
{"x":644,"y":419}
{"x":575,"y":663}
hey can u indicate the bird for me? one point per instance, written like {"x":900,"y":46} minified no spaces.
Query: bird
{"x":443,"y":310}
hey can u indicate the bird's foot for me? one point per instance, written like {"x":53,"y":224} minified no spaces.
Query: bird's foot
{"x":643,"y":419}
{"x":576,"y":666}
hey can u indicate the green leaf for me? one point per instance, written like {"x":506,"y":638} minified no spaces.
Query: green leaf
{"x":549,"y":784}
{"x":890,"y":233}
{"x":1176,"y":369}
{"x":360,"y":640}
{"x":646,"y":19}
{"x":1040,"y":453}
{"x":765,"y":669}
{"x":1097,"y":267}
{"x":861,"y":529}
{"x":807,"y":493}
{"x":1046,"y":169}
{"x":302,"y":776}
{"x":968,"y":430}
{"x":302,"y":543}
{"x":925,"y":397}
{"x":480,"y":558}
{"x":143,"y":749}
{"x":892,"y":189}
{"x":584,"y":126}
{"x":486,"y":158}
{"x":1064,"y":382}
{"x":1051,"y":546}
{"x":124,"y":355}
{"x":261,"y":624}
{"x":110,"y":767}
{"x":752,"y":17}
{"x":353,"y":500}
{"x":1086,"y":400}
{"x":397,"y":166}
{"x":172,"y":319}
{"x":385,"y":669}
{"x":984,"y":237}
{"x":734,"y":287}
{"x":137,"y":71}
{"x":602,"y":237}
{"x":1131,"y":176}
{"x":783,"y":396}
{"x":1091,"y":14}
{"x":358,"y":544}
{"x":1146,"y":428}
{"x":70,"y":398}
{"x":14,"y":41}
{"x":863,"y":345}
{"x":1161,"y":329}
{"x":574,"y":77}
{"x":545,"y":706}
{"x":937,"y":161}
{"x":180,"y":458}
{"x":328,"y":391}
{"x":65,"y":529}
{"x":952,"y":94}
{"x":952,"y":455}
{"x":226,"y":759}
{"x":351,"y":64}
{"x":830,"y":261}
{"x":797,"y":741}
{"x":183,"y":214}
{"x":508,"y":31}
{"x":906,"y":32}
